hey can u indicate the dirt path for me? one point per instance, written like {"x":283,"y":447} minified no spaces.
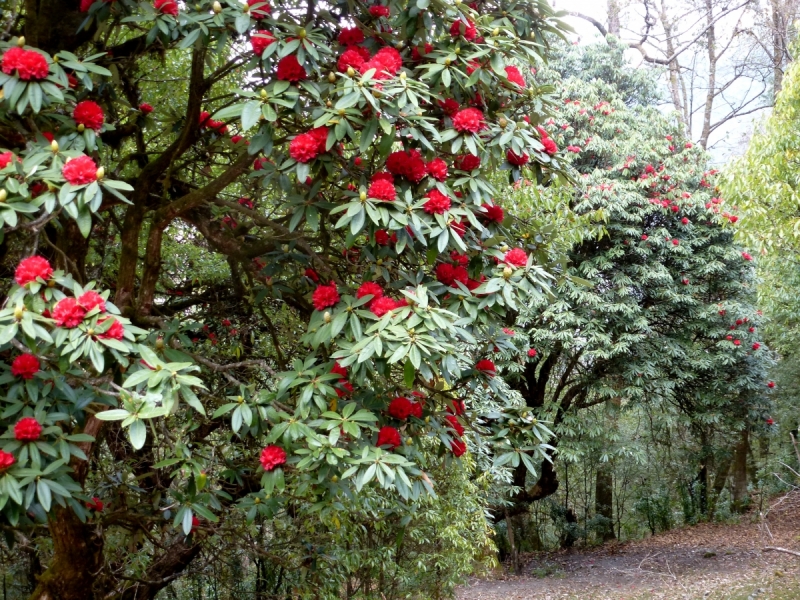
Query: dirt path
{"x":708,"y":562}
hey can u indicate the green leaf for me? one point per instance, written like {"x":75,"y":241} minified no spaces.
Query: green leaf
{"x":137,"y":433}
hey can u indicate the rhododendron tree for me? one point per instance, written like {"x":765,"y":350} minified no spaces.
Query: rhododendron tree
{"x":330,"y":120}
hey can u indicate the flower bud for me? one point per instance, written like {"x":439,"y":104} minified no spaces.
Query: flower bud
{"x":335,"y":478}
{"x":409,"y":441}
{"x":332,"y":77}
{"x":3,"y":195}
{"x":18,"y":313}
{"x":363,"y":196}
{"x":21,"y":41}
{"x":447,"y":62}
{"x":301,"y":34}
{"x":351,"y":72}
{"x":327,"y":316}
{"x":403,"y":75}
{"x":54,"y":146}
{"x":101,"y":172}
{"x":160,"y":343}
{"x":457,"y":50}
{"x":502,"y":122}
{"x":507,"y":272}
{"x":216,"y":7}
{"x":263,"y":94}
{"x":81,"y":128}
{"x":496,"y":31}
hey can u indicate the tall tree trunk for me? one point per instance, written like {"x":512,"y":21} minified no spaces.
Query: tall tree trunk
{"x":711,"y":43}
{"x":740,"y":471}
{"x":604,"y":501}
{"x":720,"y":478}
{"x":613,"y":17}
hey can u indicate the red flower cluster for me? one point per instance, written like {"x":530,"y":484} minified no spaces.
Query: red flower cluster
{"x":401,"y":408}
{"x":746,"y":256}
{"x":6,"y":158}
{"x":455,"y":425}
{"x":68,"y":313}
{"x":386,"y":62}
{"x":407,"y":164}
{"x":437,"y":169}
{"x":307,"y":146}
{"x":90,"y":299}
{"x":770,"y":384}
{"x":145,"y":108}
{"x":514,"y":76}
{"x":382,"y":237}
{"x":449,"y":106}
{"x":467,"y":162}
{"x":350,"y":36}
{"x":388,"y":436}
{"x":95,"y":504}
{"x":325,"y":296}
{"x":467,"y":29}
{"x":381,"y":306}
{"x":379,"y":11}
{"x":456,"y":407}
{"x":6,"y":460}
{"x":515,"y":159}
{"x":486,"y":367}
{"x":312,"y":275}
{"x":80,"y":170}
{"x":382,"y":190}
{"x":756,"y":346}
{"x":449,"y":274}
{"x":115,"y":332}
{"x":272,"y":457}
{"x":458,"y":448}
{"x":469,"y":120}
{"x":25,"y":366}
{"x":89,"y":114}
{"x":262,"y":11}
{"x":369,"y":288}
{"x":532,"y":352}
{"x":516,"y":257}
{"x":290,"y":70}
{"x":353,"y":57}
{"x":28,"y":64}
{"x":32,"y":268}
{"x":437,"y":203}
{"x":260,"y":40}
{"x":166,"y":7}
{"x":27,"y":429}
{"x":493,"y":213}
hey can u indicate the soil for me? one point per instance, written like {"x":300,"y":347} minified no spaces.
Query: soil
{"x":711,"y":561}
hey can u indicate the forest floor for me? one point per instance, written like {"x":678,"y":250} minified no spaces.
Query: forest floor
{"x":711,"y":561}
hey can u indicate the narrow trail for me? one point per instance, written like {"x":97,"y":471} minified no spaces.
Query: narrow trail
{"x":707,"y":561}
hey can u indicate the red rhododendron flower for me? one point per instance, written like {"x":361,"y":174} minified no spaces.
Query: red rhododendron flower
{"x":486,"y":367}
{"x":454,"y":424}
{"x":29,"y":64}
{"x":437,"y":203}
{"x":90,"y":299}
{"x":89,"y":114}
{"x":770,"y":384}
{"x":350,"y":36}
{"x":469,"y":120}
{"x":237,"y":138}
{"x":401,"y":408}
{"x":746,"y":256}
{"x":468,"y":28}
{"x":115,"y":332}
{"x":386,"y":62}
{"x":531,"y":352}
{"x":27,"y":429}
{"x":416,"y":410}
{"x":345,"y":388}
{"x":467,"y":162}
{"x":449,"y":274}
{"x":379,"y":11}
{"x":407,"y":164}
{"x":312,"y":275}
{"x":95,"y":504}
{"x":272,"y":457}
{"x":549,"y":146}
{"x":437,"y":169}
{"x":307,"y":146}
{"x":350,"y":58}
{"x":25,"y":366}
{"x":460,"y":227}
{"x":515,"y":159}
{"x":493,"y":213}
{"x":290,"y":70}
{"x":325,"y":296}
{"x":262,"y":11}
{"x":458,"y":448}
{"x":258,"y":163}
{"x":460,"y":259}
{"x":449,"y":106}
{"x":166,"y":7}
{"x":737,"y":342}
{"x":145,"y":108}
{"x":382,"y":190}
{"x":473,"y":66}
{"x":381,"y":306}
{"x":383,"y":175}
{"x":382,"y":237}
{"x":6,"y":460}
{"x":685,"y":221}
{"x":32,"y":268}
{"x":339,"y":370}
{"x":676,"y":242}
{"x":388,"y":436}
{"x":416,"y":55}
{"x":68,"y":313}
{"x":756,"y":346}
{"x":752,"y":329}
{"x":514,"y":76}
{"x":456,"y":407}
{"x":516,"y":257}
{"x":260,"y":40}
{"x":6,"y":158}
{"x":369,"y":288}
{"x":80,"y":170}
